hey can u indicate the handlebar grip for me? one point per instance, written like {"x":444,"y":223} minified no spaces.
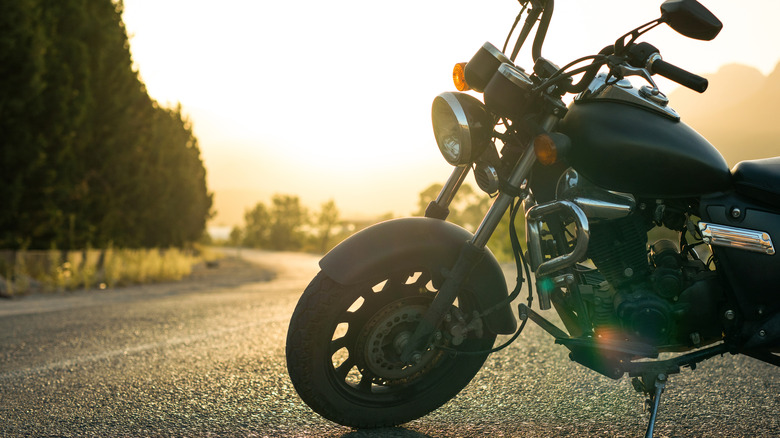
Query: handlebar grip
{"x":676,"y":74}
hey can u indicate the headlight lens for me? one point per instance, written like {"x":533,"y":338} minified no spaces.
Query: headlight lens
{"x":462,"y":127}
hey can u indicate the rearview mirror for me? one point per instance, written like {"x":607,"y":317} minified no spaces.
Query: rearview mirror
{"x":690,"y":18}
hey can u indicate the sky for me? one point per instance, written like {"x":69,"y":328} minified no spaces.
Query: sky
{"x":331,"y":100}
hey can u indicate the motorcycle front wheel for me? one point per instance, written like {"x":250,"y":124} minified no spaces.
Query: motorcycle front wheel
{"x":344,"y":345}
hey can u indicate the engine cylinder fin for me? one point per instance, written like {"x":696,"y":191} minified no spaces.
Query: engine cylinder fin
{"x":618,"y":248}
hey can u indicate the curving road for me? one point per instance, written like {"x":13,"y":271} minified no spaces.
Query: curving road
{"x":205,"y":357}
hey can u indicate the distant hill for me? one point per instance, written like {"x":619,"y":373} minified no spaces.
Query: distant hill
{"x":738,"y":114}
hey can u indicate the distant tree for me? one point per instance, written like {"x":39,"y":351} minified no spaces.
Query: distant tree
{"x":325,"y":222}
{"x":236,"y":237}
{"x":467,"y":210}
{"x":288,"y":217}
{"x":426,"y":196}
{"x":278,"y":227}
{"x":257,"y":227}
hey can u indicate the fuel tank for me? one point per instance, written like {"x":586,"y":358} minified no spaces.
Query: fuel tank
{"x":624,"y":143}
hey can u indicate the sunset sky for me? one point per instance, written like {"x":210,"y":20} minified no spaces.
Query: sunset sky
{"x":332,"y":99}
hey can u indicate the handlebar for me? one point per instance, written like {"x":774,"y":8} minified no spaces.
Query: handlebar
{"x":645,"y":55}
{"x":676,"y":74}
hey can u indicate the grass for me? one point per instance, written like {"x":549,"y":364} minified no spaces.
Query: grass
{"x":23,"y":272}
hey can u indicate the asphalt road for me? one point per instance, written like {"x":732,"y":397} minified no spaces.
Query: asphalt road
{"x":206,"y":358}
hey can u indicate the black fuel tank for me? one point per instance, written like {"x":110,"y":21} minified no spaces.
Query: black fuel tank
{"x":625,"y":148}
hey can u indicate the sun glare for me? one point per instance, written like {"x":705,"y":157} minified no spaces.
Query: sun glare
{"x":319,"y":97}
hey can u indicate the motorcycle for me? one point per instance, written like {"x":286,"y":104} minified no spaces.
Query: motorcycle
{"x":404,"y":313}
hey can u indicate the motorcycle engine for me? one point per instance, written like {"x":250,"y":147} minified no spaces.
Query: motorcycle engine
{"x":652,"y":293}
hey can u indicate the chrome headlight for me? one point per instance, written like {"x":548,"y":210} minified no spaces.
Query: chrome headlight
{"x":462,"y":127}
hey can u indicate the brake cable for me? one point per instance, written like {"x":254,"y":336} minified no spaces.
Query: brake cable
{"x":591,"y":70}
{"x":512,"y":30}
{"x":521,"y":265}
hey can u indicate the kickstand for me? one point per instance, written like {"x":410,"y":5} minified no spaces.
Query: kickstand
{"x":653,"y":386}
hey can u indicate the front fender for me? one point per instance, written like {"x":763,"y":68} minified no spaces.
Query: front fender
{"x":419,"y":242}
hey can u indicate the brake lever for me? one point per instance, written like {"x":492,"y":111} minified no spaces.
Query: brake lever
{"x":627,"y":70}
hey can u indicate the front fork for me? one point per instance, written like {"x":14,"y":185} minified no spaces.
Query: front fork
{"x":440,"y":208}
{"x":473,"y":250}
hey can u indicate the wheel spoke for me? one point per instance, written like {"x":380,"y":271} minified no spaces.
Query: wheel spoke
{"x":344,"y":368}
{"x":338,"y":344}
{"x":394,"y":281}
{"x":347,"y":317}
{"x":365,"y":382}
{"x":423,"y":279}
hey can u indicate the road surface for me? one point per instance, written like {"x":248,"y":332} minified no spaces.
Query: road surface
{"x":205,"y":357}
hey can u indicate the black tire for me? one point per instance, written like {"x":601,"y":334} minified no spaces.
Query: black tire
{"x":334,"y":372}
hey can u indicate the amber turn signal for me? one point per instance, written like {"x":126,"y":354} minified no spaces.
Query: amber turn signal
{"x":545,"y":149}
{"x":459,"y":77}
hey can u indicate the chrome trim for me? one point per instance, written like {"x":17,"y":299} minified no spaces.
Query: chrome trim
{"x":499,"y":55}
{"x":534,"y":219}
{"x":487,"y":177}
{"x":740,"y":238}
{"x":602,"y":89}
{"x":597,"y":203}
{"x":503,"y":200}
{"x":597,"y":209}
{"x":653,"y":95}
{"x":464,"y":136}
{"x":651,"y":59}
{"x":515,"y":75}
{"x":451,"y":187}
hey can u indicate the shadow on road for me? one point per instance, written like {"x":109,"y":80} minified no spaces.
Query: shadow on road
{"x":388,"y":432}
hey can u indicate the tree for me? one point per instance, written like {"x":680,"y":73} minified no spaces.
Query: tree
{"x":236,"y":237}
{"x":288,"y":217}
{"x":467,"y":210}
{"x":326,"y":220}
{"x":278,"y":227}
{"x":88,"y":158}
{"x":43,"y":104}
{"x":257,"y":222}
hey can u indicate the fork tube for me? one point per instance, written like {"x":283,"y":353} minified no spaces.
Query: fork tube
{"x":440,"y":208}
{"x":471,"y":253}
{"x":449,"y":190}
{"x":502,"y":202}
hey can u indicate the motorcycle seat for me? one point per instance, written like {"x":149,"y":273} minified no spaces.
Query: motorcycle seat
{"x":759,"y":179}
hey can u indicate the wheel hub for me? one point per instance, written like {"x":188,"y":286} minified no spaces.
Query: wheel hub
{"x":386,"y":335}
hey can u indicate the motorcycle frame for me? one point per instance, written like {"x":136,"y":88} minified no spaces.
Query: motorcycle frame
{"x":649,"y":376}
{"x":499,"y":207}
{"x":473,"y":251}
